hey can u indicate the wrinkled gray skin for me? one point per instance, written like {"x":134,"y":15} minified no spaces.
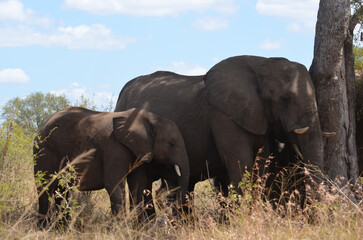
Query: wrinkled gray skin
{"x":228,"y":114}
{"x":119,"y":139}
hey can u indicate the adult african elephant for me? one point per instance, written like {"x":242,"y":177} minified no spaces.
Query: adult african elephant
{"x":226,"y":115}
{"x":118,"y":139}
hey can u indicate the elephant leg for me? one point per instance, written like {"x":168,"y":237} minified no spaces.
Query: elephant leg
{"x":149,"y":208}
{"x":43,"y":201}
{"x":115,"y":186}
{"x":221,"y":183}
{"x":46,"y":163}
{"x":235,"y":147}
{"x":141,"y":193}
{"x":44,"y":204}
{"x":262,"y":155}
{"x":62,"y":205}
{"x":171,"y":198}
{"x":116,"y":192}
{"x":116,"y":164}
{"x":166,"y":186}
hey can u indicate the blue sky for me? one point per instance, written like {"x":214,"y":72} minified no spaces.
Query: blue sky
{"x":92,"y":48}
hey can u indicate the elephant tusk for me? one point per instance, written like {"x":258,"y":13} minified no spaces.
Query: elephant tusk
{"x":301,"y":130}
{"x":296,"y":149}
{"x":328,"y":134}
{"x":177,"y":170}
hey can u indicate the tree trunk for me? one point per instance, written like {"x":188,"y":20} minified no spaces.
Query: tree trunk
{"x":332,"y":72}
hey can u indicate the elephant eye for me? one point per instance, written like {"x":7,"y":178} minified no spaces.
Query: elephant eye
{"x":285,"y":99}
{"x":172,"y":144}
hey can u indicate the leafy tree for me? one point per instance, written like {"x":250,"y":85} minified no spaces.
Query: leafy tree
{"x":31,"y":112}
{"x":357,"y":16}
{"x":358,"y":58}
{"x":85,"y":103}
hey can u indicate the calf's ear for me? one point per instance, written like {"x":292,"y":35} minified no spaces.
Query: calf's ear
{"x":133,"y":130}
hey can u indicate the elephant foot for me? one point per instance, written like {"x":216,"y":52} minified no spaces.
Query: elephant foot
{"x":224,"y":218}
{"x":50,"y":221}
{"x":42,"y":223}
{"x":147,"y":214}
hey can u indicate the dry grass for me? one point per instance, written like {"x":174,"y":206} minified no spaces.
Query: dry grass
{"x":333,"y":217}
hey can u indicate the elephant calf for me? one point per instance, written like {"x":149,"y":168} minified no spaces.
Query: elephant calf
{"x":119,"y":139}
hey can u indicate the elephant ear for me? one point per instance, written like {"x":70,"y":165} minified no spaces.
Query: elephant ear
{"x":232,"y":87}
{"x":133,"y":130}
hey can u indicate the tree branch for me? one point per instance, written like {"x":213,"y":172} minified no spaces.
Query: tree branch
{"x":357,"y":16}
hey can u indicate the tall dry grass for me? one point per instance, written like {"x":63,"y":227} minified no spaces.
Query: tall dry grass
{"x":331,"y":217}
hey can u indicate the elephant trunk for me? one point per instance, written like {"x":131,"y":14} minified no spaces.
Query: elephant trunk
{"x":311,"y":144}
{"x":183,"y":183}
{"x":181,"y":167}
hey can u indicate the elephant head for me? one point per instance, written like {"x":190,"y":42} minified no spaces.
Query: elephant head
{"x":156,"y":140}
{"x":269,"y":95}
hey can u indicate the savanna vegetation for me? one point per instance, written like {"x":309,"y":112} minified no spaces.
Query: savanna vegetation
{"x":333,"y":217}
{"x":292,"y":215}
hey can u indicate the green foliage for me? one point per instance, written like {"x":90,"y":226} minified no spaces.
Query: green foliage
{"x":85,"y":103}
{"x":69,"y":207}
{"x":40,"y":180}
{"x":358,"y":58}
{"x":16,"y":176}
{"x":31,"y":112}
{"x":357,"y":9}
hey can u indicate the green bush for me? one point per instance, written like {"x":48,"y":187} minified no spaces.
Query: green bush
{"x":16,"y":175}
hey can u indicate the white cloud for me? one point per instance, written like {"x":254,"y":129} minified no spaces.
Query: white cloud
{"x":211,"y":24}
{"x":184,"y":68}
{"x":19,"y":36}
{"x":101,"y":99}
{"x":303,"y":13}
{"x":150,"y":8}
{"x":216,"y":59}
{"x":14,"y":10}
{"x":21,"y":27}
{"x":270,"y":45}
{"x":294,"y":27}
{"x":73,"y":92}
{"x":95,"y":36}
{"x":105,"y":100}
{"x":105,"y":86}
{"x":13,"y":75}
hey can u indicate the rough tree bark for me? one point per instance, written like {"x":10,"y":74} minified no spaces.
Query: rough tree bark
{"x":332,"y":71}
